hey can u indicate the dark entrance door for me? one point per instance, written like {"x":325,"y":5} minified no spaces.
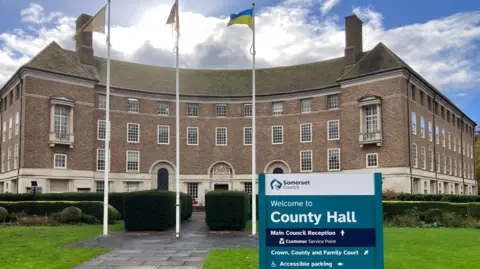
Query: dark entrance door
{"x":278,"y":170}
{"x":221,"y":187}
{"x":162,"y":179}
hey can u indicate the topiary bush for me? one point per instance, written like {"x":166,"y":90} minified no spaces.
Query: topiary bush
{"x":396,"y":208}
{"x":226,"y":210}
{"x":71,"y":214}
{"x":3,"y":214}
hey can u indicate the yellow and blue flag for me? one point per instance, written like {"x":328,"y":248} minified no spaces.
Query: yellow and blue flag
{"x":244,"y":17}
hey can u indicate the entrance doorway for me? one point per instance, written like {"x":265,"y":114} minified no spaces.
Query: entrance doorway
{"x":278,"y":170}
{"x":221,"y":187}
{"x":162,"y":179}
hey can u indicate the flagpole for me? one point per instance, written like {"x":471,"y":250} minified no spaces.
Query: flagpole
{"x":254,"y":181}
{"x":177,"y":131}
{"x":107,"y":131}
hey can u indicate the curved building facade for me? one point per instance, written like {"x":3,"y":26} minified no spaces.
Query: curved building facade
{"x":364,"y":111}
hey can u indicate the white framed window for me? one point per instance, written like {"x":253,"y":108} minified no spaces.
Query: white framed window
{"x":455,"y":143}
{"x":247,"y":135}
{"x":133,"y":105}
{"x":463,"y":149}
{"x":437,"y":135}
{"x":449,"y":141}
{"x":449,"y":169}
{"x":277,"y":134}
{"x":430,"y":153}
{"x":10,"y":128}
{"x":163,"y":108}
{"x":192,"y":189}
{"x":4,"y":130}
{"x":372,"y":160}
{"x":163,"y":132}
{"x":277,"y":108}
{"x":101,"y":130}
{"x":60,"y":161}
{"x":306,"y":105}
{"x":17,"y":123}
{"x":133,"y":161}
{"x":334,"y":159}
{"x":3,"y":161}
{"x":438,"y":162}
{"x":423,"y":158}
{"x":247,"y":187}
{"x":468,"y":151}
{"x":131,"y":186}
{"x":430,"y":131}
{"x":414,"y":153}
{"x":192,"y":135}
{"x":221,"y":110}
{"x":422,"y":127}
{"x":247,"y":110}
{"x":9,"y":158}
{"x":102,"y":101}
{"x":333,"y":129}
{"x":414,"y":123}
{"x":371,"y":118}
{"x":305,"y":132}
{"x":15,"y":156}
{"x":61,"y":119}
{"x":459,"y":143}
{"x":192,"y":110}
{"x":306,"y":161}
{"x":455,"y":171}
{"x":471,"y":151}
{"x":443,"y":137}
{"x":100,"y":186}
{"x":444,"y":163}
{"x":101,"y":160}
{"x":221,"y":136}
{"x":133,"y":132}
{"x":333,"y":101}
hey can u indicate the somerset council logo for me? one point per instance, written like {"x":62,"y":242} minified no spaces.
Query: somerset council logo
{"x":275,"y":184}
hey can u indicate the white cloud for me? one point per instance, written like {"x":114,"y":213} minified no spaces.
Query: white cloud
{"x":289,"y":33}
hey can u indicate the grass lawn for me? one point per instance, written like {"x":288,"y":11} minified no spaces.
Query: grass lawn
{"x":41,"y":247}
{"x":405,"y":248}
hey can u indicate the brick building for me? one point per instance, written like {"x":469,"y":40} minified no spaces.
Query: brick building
{"x":364,"y":111}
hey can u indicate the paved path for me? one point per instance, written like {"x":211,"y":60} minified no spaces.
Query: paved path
{"x":161,"y":250}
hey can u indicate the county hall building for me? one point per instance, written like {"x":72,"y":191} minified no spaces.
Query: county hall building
{"x":366,"y":111}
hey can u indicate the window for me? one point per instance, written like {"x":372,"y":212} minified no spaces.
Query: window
{"x":449,"y":141}
{"x":305,"y":105}
{"x":133,"y":130}
{"x":9,"y":158}
{"x":17,"y":123}
{"x":334,"y":159}
{"x":192,"y":135}
{"x":423,"y":158}
{"x":372,"y":160}
{"x":132,"y":186}
{"x":459,"y":145}
{"x":277,"y":108}
{"x":444,"y":163}
{"x":247,"y":110}
{"x":430,"y":154}
{"x":305,"y":132}
{"x":192,"y":110}
{"x":192,"y":190}
{"x":247,"y":135}
{"x":3,"y":161}
{"x":333,"y":101}
{"x":277,"y":134}
{"x":437,"y":135}
{"x":414,"y":152}
{"x":100,"y":159}
{"x":443,"y":137}
{"x":463,"y":149}
{"x":247,"y":187}
{"x":455,"y":171}
{"x":306,"y":161}
{"x":414,"y":123}
{"x":61,"y":119}
{"x":4,"y":130}
{"x":102,"y":101}
{"x":468,"y":150}
{"x":133,"y":160}
{"x":221,"y":136}
{"x":133,"y":105}
{"x":449,"y":168}
{"x":163,"y":108}
{"x":100,"y":186}
{"x":221,"y":110}
{"x":59,"y":160}
{"x":455,"y":143}
{"x":371,"y":118}
{"x":333,"y":129}
{"x":15,"y":156}
{"x":101,"y":130}
{"x":422,"y":127}
{"x":163,"y":134}
{"x":430,"y":131}
{"x":10,"y":128}
{"x":437,"y":162}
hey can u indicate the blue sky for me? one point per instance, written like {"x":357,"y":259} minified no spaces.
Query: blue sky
{"x":440,"y":39}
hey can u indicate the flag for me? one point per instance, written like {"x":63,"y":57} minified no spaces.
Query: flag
{"x":95,"y":24}
{"x":244,"y":17}
{"x":173,"y":18}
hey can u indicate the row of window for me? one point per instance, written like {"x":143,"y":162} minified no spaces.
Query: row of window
{"x":8,"y":98}
{"x":333,"y":102}
{"x":457,"y":143}
{"x":443,"y":187}
{"x":448,"y":169}
{"x":10,"y":127}
{"x":9,"y":158}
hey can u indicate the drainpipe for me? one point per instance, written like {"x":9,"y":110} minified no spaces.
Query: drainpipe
{"x":462,"y":154}
{"x":409,"y":133}
{"x":19,"y":134}
{"x":434,"y":138}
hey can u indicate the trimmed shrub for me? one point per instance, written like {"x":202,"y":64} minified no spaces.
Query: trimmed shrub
{"x":93,"y":208}
{"x":433,"y":215}
{"x":89,"y":219}
{"x":438,"y":197}
{"x":226,"y":210}
{"x":186,"y":206}
{"x":71,"y":214}
{"x":3,"y":214}
{"x":396,"y":208}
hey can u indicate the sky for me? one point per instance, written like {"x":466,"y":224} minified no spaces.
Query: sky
{"x":440,"y":39}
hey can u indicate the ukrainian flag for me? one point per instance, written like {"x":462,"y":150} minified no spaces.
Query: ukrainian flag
{"x":244,"y":17}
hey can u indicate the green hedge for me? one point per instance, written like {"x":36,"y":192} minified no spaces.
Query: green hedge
{"x":93,"y":208}
{"x":394,"y":208}
{"x":226,"y":210}
{"x":154,"y":210}
{"x":438,"y":197}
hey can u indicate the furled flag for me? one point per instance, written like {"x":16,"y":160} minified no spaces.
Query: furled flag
{"x":95,"y":24}
{"x":173,"y":18}
{"x":244,"y":17}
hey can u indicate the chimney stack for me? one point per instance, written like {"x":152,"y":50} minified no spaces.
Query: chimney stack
{"x":84,"y":41}
{"x":353,"y":39}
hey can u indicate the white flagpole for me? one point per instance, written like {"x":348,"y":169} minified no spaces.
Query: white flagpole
{"x":107,"y":132}
{"x":254,"y":177}
{"x":177,"y":131}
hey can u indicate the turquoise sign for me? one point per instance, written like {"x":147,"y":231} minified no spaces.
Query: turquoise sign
{"x":321,"y":220}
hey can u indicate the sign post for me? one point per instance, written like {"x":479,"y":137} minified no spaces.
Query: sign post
{"x":321,"y":220}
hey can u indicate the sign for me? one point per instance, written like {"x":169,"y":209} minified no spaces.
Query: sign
{"x":321,"y":220}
